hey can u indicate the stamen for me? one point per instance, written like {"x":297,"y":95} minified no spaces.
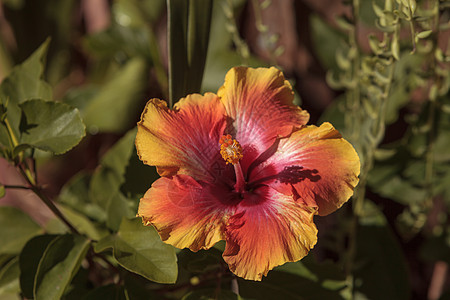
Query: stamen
{"x":230,"y":149}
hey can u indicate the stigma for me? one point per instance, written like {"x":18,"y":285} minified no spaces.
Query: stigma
{"x":230,"y":149}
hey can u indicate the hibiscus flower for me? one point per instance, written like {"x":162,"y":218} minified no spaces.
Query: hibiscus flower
{"x":243,"y":166}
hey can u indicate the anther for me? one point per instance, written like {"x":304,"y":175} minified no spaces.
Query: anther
{"x":230,"y":149}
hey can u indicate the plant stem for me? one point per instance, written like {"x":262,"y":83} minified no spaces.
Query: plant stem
{"x":235,"y":285}
{"x":46,"y":200}
{"x":16,"y":187}
{"x":12,"y":136}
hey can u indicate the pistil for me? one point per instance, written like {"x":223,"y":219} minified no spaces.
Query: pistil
{"x":239,"y":187}
{"x":231,"y":151}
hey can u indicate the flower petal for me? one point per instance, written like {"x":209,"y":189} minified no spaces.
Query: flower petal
{"x":184,"y":140}
{"x":261,"y":236}
{"x":186,"y":213}
{"x":315,"y":165}
{"x":260,"y":103}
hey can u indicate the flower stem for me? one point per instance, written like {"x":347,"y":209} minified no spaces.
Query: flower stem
{"x":235,"y":285}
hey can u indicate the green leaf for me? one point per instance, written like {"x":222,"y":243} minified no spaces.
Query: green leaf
{"x":110,"y":174}
{"x":395,"y":47}
{"x":117,"y":39}
{"x":29,"y":261}
{"x":400,"y":176}
{"x":75,"y":194}
{"x":116,"y":106}
{"x":25,"y":80}
{"x":50,"y":126}
{"x":2,"y":191}
{"x":104,"y":185}
{"x":118,"y":207}
{"x":18,"y":229}
{"x":323,"y":34}
{"x":139,"y":249}
{"x":58,"y":266}
{"x":381,"y":270}
{"x":177,"y":22}
{"x":188,"y":36}
{"x":9,"y":277}
{"x":138,"y":178}
{"x":23,"y":83}
{"x":104,"y":244}
{"x":424,"y":34}
{"x":334,"y":114}
{"x":403,"y":84}
{"x":199,"y":24}
{"x":108,"y":178}
{"x":79,"y":221}
{"x":117,"y":157}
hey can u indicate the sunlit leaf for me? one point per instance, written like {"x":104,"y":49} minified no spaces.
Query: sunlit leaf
{"x":23,"y":83}
{"x":139,"y":249}
{"x":17,"y":227}
{"x":58,"y":266}
{"x":50,"y":126}
{"x":424,"y":34}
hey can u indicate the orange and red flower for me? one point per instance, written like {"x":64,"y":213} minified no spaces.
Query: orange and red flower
{"x":243,"y":166}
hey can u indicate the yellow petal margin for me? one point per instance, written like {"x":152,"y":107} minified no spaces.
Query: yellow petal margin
{"x":184,"y":139}
{"x":260,"y":103}
{"x":330,"y":166}
{"x":261,"y":237}
{"x":185,"y":213}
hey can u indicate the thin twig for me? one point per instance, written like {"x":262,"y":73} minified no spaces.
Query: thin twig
{"x":8,"y":186}
{"x":37,"y":190}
